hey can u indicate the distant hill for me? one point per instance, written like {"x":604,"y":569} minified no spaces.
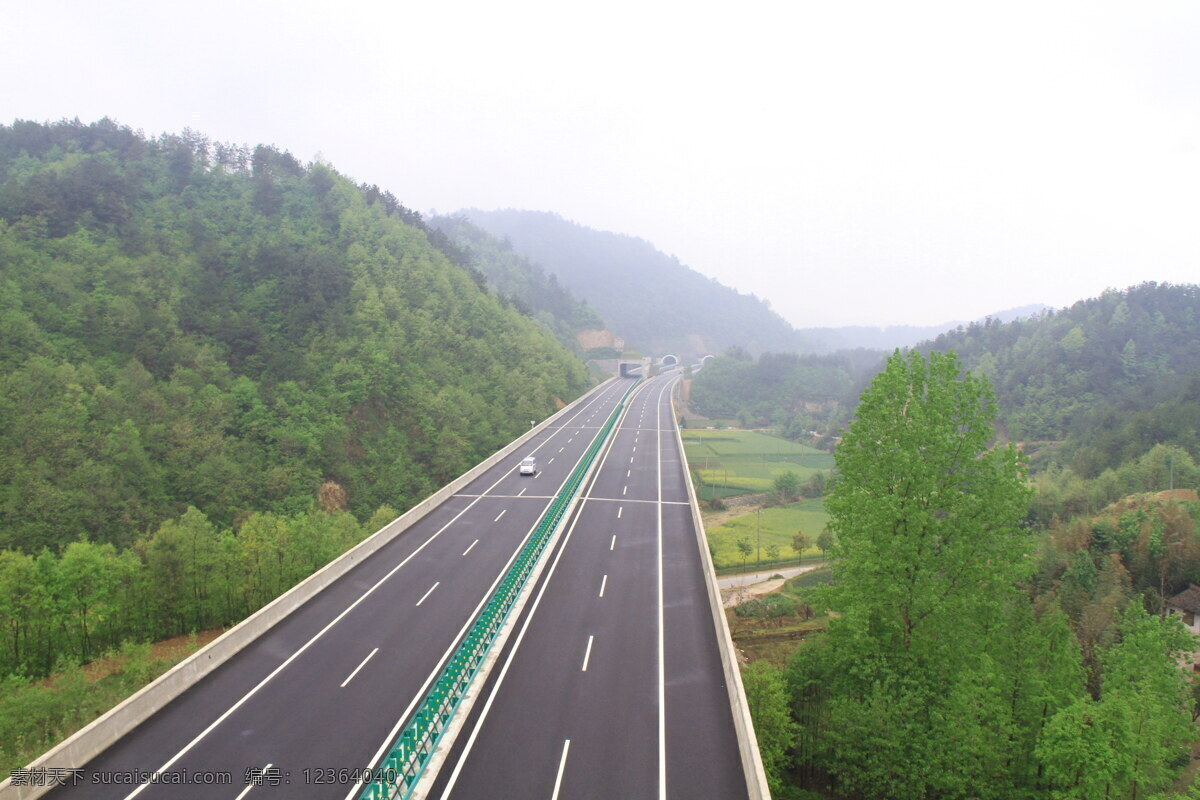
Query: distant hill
{"x":1111,"y":375}
{"x":185,"y":322}
{"x":652,"y":300}
{"x":1092,"y":386}
{"x":518,"y":280}
{"x":828,"y":340}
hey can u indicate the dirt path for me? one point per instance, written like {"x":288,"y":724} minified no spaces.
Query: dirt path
{"x":737,"y":589}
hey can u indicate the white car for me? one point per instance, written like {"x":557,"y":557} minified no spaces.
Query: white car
{"x":528,"y":466}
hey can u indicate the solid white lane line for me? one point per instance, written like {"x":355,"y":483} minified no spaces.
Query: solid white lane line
{"x":662,"y":677}
{"x":603,"y":583}
{"x":613,"y":543}
{"x":360,"y":666}
{"x":497,"y":519}
{"x":587,"y":654}
{"x":469,"y":547}
{"x":246,"y":791}
{"x":562,"y":764}
{"x":431,"y":588}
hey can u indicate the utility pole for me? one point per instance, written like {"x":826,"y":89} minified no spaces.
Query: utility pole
{"x":758,"y":537}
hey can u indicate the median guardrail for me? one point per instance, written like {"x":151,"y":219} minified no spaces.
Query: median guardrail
{"x":397,"y":776}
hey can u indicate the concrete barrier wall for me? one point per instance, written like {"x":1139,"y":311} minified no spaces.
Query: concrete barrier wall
{"x":756,"y":777}
{"x":102,"y":732}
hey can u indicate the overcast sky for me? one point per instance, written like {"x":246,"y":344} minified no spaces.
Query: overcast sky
{"x":854,"y":163}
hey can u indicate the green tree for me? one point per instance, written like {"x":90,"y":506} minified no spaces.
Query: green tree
{"x":800,"y":543}
{"x":745,"y":548}
{"x":927,"y":518}
{"x":767,"y":697}
{"x":787,"y":486}
{"x":1130,"y":741}
{"x":825,"y":541}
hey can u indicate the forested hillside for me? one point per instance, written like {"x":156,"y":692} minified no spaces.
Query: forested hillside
{"x":189,"y":323}
{"x":656,"y":303}
{"x":1107,"y":377}
{"x":970,"y":656}
{"x":520,"y":281}
{"x":791,"y":393}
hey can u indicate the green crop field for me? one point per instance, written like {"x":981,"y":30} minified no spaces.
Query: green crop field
{"x":779,"y":524}
{"x":746,"y":462}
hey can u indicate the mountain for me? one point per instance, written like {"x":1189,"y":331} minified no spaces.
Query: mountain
{"x":1104,"y":379}
{"x":1092,"y":386}
{"x":518,"y":280}
{"x":190,"y":323}
{"x":654,"y":302}
{"x":828,"y":340}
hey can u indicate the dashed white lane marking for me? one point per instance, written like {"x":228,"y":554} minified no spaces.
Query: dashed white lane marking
{"x":521,"y":493}
{"x":587,"y":654}
{"x":623,"y":491}
{"x":619,"y":510}
{"x":502,"y":513}
{"x":628,"y":472}
{"x":431,"y":588}
{"x":469,"y":548}
{"x":613,"y":543}
{"x":356,"y":669}
{"x":562,"y":764}
{"x":603,"y":583}
{"x":551,"y":461}
{"x":246,"y":791}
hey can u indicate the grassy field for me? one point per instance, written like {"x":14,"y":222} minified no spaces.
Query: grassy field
{"x":746,"y":462}
{"x":779,"y":523}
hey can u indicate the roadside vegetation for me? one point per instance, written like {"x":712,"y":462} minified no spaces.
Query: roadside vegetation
{"x":35,"y":715}
{"x":1008,"y":661}
{"x":219,"y":369}
{"x":734,"y":462}
{"x":735,"y":544}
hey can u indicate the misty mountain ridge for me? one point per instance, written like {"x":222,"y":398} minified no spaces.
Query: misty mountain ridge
{"x":889,"y":337}
{"x":655,"y":303}
{"x":623,"y":279}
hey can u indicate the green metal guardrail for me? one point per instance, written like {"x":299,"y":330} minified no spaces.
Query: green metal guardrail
{"x":397,"y":776}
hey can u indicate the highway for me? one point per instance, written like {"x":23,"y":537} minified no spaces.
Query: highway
{"x":612,"y":686}
{"x":325,"y":688}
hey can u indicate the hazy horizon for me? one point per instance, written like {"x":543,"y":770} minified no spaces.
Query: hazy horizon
{"x":861,"y":163}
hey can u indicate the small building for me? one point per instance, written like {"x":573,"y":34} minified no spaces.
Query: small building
{"x":1186,"y":606}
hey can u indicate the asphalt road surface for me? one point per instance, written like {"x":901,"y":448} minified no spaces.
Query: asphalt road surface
{"x":612,"y":685}
{"x":322,"y":692}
